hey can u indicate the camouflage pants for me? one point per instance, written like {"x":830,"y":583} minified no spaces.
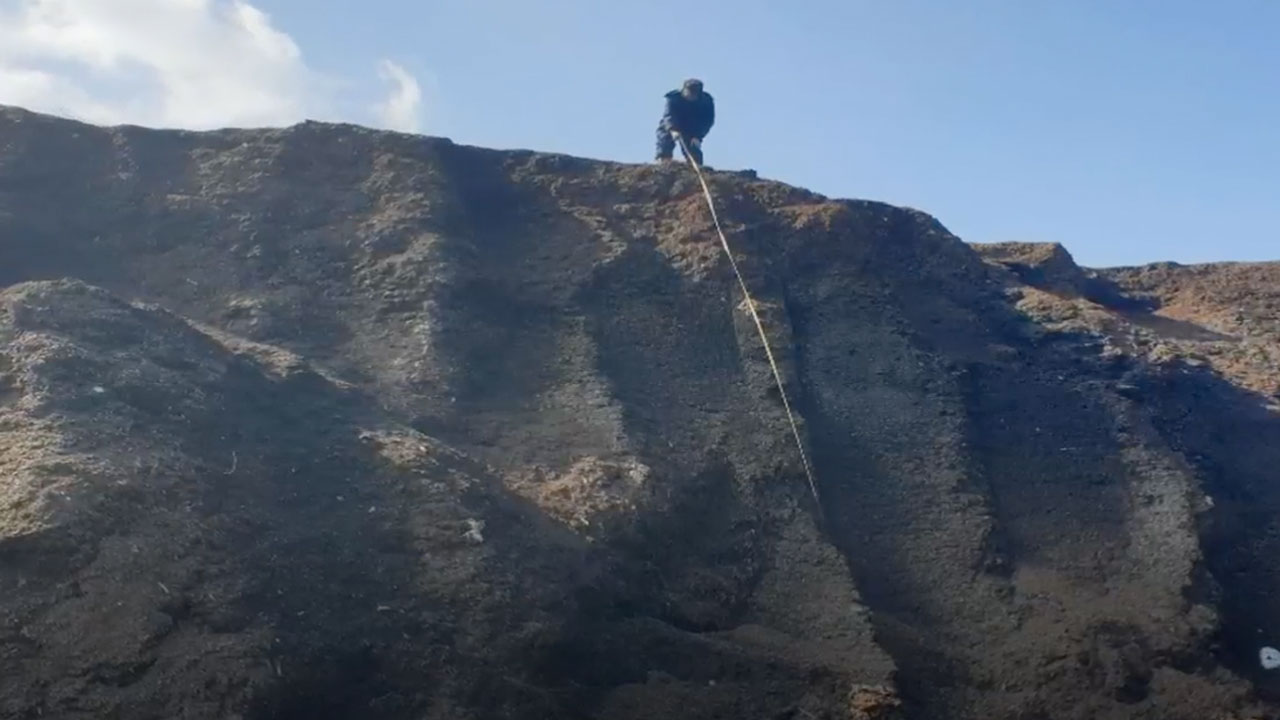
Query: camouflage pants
{"x":667,"y":146}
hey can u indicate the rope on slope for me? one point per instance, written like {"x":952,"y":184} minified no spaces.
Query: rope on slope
{"x":751,"y":305}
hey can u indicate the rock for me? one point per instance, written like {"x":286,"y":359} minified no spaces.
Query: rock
{"x":1131,"y":391}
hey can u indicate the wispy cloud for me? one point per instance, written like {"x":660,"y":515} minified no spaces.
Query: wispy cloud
{"x":402,"y":108}
{"x":173,"y":63}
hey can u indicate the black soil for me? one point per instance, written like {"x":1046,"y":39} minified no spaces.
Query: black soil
{"x":321,"y":422}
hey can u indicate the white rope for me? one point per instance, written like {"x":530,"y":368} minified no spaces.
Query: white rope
{"x":751,"y":305}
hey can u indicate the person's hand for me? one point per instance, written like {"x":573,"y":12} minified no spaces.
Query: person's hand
{"x":675,"y":134}
{"x":695,"y":141}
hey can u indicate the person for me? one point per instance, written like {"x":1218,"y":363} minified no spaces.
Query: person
{"x":689,"y":114}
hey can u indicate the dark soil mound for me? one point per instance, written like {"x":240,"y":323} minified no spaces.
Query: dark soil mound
{"x":322,"y":422}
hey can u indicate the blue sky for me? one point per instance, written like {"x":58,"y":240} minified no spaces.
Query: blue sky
{"x":1130,"y":131}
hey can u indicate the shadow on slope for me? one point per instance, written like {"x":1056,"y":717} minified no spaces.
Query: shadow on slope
{"x":1232,"y":437}
{"x":200,"y":531}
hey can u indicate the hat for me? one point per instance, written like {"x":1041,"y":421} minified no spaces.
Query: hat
{"x":693,"y":83}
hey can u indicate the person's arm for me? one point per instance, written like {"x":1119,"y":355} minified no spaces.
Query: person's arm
{"x":708,"y":117}
{"x":668,"y":122}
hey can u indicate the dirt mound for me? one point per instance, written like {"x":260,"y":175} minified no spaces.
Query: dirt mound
{"x":1231,"y":312}
{"x":1045,"y":265}
{"x":194,"y":526}
{"x":1050,"y":268}
{"x":400,"y":429}
{"x":198,"y":526}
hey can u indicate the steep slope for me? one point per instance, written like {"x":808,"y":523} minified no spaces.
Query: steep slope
{"x":200,"y":529}
{"x":1207,"y":343}
{"x":196,"y":526}
{"x":1015,"y":517}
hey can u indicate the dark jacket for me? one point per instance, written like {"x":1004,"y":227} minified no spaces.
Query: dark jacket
{"x":690,"y":118}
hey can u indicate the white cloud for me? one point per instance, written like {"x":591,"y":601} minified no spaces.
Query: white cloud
{"x":47,"y":92}
{"x":402,"y":109}
{"x":170,"y":63}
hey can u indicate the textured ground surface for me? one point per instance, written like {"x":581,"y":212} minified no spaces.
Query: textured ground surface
{"x":324,"y":423}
